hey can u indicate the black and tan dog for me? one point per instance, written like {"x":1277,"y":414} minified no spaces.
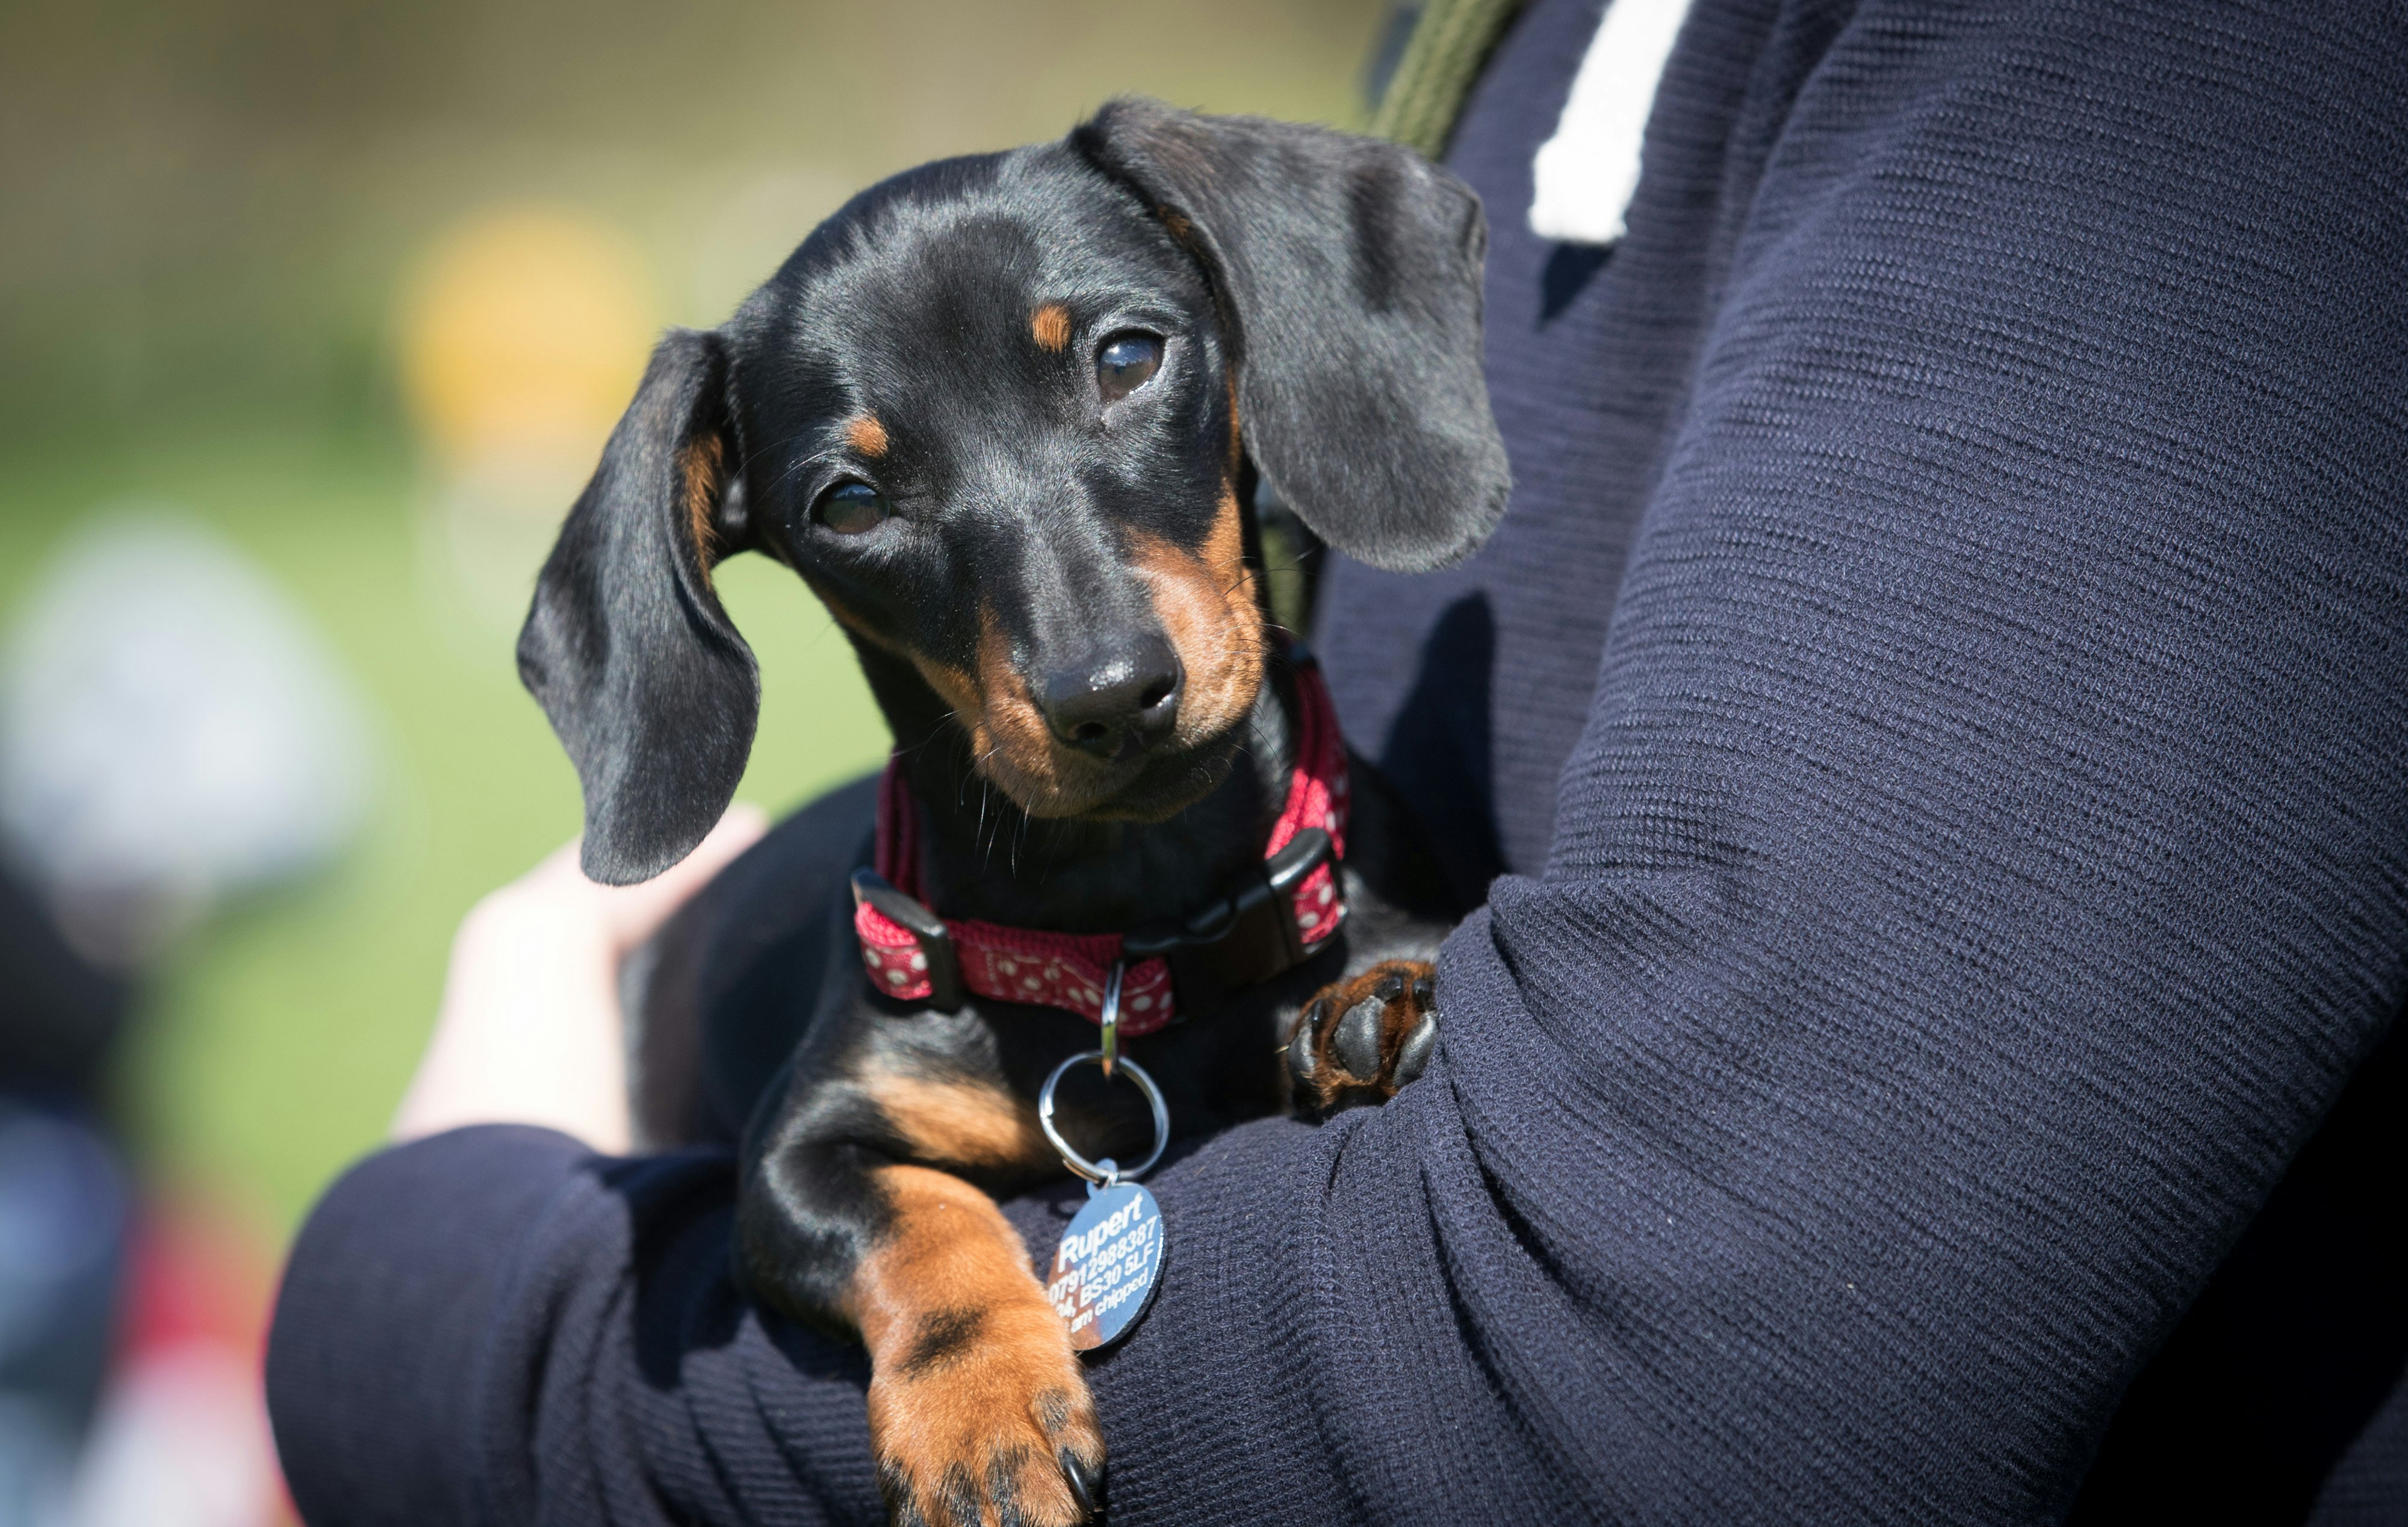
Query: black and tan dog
{"x":1003,"y":415}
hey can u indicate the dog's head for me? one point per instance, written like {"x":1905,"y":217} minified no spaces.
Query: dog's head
{"x":994,"y":413}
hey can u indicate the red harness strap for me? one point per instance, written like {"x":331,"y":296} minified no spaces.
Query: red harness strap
{"x":1068,"y":969}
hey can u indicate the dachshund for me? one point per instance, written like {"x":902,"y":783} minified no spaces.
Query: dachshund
{"x":1007,"y":416}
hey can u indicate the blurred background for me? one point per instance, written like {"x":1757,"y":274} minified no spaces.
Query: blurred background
{"x":314,"y":318}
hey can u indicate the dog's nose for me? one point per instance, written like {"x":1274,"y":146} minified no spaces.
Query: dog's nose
{"x":1122,"y":702}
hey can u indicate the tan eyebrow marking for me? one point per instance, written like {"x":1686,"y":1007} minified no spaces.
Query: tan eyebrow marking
{"x":866,"y":435}
{"x":1050,"y":324}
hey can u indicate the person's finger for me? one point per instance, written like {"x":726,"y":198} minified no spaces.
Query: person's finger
{"x":634,"y":913}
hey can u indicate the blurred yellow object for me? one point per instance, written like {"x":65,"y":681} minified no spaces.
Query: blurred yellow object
{"x":524,"y":333}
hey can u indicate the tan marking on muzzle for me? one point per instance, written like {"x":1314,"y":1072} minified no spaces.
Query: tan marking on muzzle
{"x":1009,"y":736}
{"x":1015,"y":745}
{"x":953,"y":685}
{"x":1206,"y":602}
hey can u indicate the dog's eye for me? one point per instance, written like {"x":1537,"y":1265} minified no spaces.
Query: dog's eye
{"x":1125,"y":362}
{"x":851,"y":508}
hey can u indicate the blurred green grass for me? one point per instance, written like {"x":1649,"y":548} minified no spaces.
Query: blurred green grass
{"x":215,"y":207}
{"x":278,"y":1038}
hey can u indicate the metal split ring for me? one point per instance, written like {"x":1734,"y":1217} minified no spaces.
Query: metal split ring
{"x":1108,"y":1171}
{"x":1112,"y":1173}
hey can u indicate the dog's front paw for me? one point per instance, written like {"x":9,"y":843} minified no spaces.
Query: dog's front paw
{"x":983,"y":1417}
{"x":1361,"y":1040}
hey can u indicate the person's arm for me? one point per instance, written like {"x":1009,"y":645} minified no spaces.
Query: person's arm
{"x":387,"y":1317}
{"x":530,"y":1030}
{"x":1983,"y":863}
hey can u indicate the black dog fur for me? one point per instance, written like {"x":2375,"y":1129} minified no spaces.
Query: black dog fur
{"x":1001,"y":413}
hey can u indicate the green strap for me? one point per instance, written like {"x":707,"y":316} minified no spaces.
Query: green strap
{"x":1442,"y":57}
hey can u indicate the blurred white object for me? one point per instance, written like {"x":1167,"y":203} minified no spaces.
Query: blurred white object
{"x":1585,"y":176}
{"x":171,"y":730}
{"x":182,"y":1441}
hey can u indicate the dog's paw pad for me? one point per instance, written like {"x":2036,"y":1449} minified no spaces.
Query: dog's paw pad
{"x":1355,"y":1041}
{"x":1360,"y":1039}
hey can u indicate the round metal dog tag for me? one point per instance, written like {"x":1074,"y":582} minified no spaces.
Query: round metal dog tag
{"x":1107,"y":1267}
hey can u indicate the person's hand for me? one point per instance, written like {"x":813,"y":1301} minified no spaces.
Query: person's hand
{"x":530,"y":1030}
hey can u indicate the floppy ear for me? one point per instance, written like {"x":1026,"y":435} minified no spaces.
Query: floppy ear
{"x":627,"y":648}
{"x":1348,"y":274}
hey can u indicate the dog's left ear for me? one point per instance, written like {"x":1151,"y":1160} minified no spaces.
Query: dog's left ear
{"x":627,"y":648}
{"x":1347,"y":273}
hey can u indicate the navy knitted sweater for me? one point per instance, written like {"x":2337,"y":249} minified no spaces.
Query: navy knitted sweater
{"x":1940,"y":696}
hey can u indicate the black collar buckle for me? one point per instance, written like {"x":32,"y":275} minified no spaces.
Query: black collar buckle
{"x":1247,"y":937}
{"x":945,"y":990}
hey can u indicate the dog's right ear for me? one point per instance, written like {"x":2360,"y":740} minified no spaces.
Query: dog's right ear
{"x":627,"y":648}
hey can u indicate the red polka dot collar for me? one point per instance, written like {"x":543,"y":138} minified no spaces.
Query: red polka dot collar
{"x":1281,"y":916}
